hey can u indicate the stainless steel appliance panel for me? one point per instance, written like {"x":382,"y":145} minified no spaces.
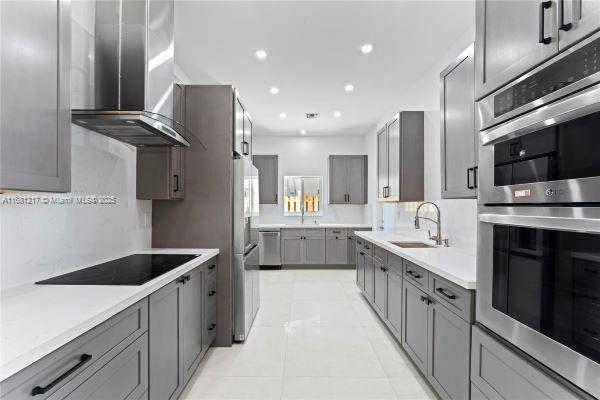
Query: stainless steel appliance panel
{"x":270,"y":248}
{"x":246,"y":299}
{"x":538,"y":279}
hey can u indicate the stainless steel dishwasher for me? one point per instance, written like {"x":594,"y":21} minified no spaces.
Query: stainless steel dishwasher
{"x":270,"y":248}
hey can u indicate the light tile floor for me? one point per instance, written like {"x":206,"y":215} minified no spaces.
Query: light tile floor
{"x":315,"y":337}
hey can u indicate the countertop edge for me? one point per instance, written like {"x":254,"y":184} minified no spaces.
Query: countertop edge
{"x":16,"y":365}
{"x":471,"y":285}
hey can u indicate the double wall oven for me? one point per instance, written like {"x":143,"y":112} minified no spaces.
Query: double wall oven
{"x":538,"y":260}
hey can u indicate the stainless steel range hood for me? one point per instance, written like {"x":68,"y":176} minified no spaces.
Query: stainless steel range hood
{"x":133,"y":74}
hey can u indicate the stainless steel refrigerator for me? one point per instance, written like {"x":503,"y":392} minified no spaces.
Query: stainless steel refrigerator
{"x":246,"y":280}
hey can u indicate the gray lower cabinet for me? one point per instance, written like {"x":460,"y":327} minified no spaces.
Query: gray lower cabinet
{"x":369,"y":277}
{"x":292,"y":250}
{"x":476,"y":393}
{"x":314,"y":250}
{"x":303,"y":246}
{"x":337,"y":250}
{"x":394,"y":302}
{"x":348,"y":179}
{"x":499,"y":373}
{"x":360,"y":267}
{"x":192,"y":313}
{"x":415,"y":324}
{"x":459,"y":138}
{"x":268,"y":178}
{"x":210,"y":306}
{"x":379,"y":286}
{"x":449,"y":338}
{"x":35,"y":128}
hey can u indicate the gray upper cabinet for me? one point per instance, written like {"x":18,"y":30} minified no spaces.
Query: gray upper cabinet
{"x":268,"y":178}
{"x":402,"y":147}
{"x":449,"y":353}
{"x":160,"y":173}
{"x":414,"y":324}
{"x":247,"y":143}
{"x":35,"y":138}
{"x":459,"y":139}
{"x":242,"y":128}
{"x":511,"y":38}
{"x":577,"y":19}
{"x":382,"y":164}
{"x":348,"y":179}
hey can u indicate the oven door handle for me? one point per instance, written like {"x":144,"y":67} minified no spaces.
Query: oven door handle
{"x":574,"y":224}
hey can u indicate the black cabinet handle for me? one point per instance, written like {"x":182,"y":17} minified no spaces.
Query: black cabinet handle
{"x":426,"y":300}
{"x":562,"y":26}
{"x":361,"y":253}
{"x":41,"y":390}
{"x":176,"y":177}
{"x":188,"y":277}
{"x":469,"y":186}
{"x":383,"y":269}
{"x":414,"y":274}
{"x":446,"y":293}
{"x":212,"y":326}
{"x":475,"y":185}
{"x":213,"y":266}
{"x":544,"y":5}
{"x":211,"y":293}
{"x":181,"y":280}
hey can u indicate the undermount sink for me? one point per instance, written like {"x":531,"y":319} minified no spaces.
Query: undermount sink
{"x":413,"y":245}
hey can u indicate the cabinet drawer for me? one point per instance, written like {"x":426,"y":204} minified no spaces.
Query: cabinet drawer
{"x":125,"y":377}
{"x":211,"y":268}
{"x":456,"y":298}
{"x":380,"y":255}
{"x":292,"y":233}
{"x":210,"y":290}
{"x":368,"y":247}
{"x":102,"y":343}
{"x":415,"y":274}
{"x":336,"y":232}
{"x":498,"y":372}
{"x":314,"y":232}
{"x":394,"y":263}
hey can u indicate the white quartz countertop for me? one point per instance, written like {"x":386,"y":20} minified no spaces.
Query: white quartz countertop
{"x":451,"y":263}
{"x":38,"y":319}
{"x":312,"y":225}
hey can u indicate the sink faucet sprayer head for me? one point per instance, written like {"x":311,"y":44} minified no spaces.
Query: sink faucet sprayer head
{"x":417,"y":224}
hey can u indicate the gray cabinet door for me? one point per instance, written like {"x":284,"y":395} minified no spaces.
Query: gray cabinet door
{"x":369,"y":277}
{"x":268,"y":178}
{"x":500,"y":373}
{"x":458,"y":135}
{"x":35,"y":128}
{"x":449,"y":353}
{"x":394,"y":302}
{"x":351,"y":247}
{"x":125,"y":377}
{"x":508,"y":40}
{"x":238,"y":126}
{"x":579,"y":19}
{"x":360,"y":268}
{"x":338,"y":179}
{"x":177,"y":173}
{"x":166,"y":352}
{"x":356,"y":169}
{"x":247,"y":142}
{"x":379,"y":286}
{"x":382,"y":164}
{"x":414,"y":324}
{"x":209,"y":327}
{"x":394,"y":157}
{"x":292,"y":250}
{"x":314,"y":250}
{"x":336,"y":250}
{"x":192,"y":311}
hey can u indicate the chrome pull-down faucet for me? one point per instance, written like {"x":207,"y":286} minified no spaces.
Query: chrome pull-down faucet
{"x":438,"y":238}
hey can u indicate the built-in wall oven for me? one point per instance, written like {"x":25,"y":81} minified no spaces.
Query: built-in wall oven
{"x":538,"y":255}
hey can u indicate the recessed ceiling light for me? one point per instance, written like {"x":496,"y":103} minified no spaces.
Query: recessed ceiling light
{"x":366,"y":48}
{"x":282,"y":115}
{"x":303,"y":132}
{"x":349,"y":87}
{"x":261,"y":54}
{"x":337,"y":114}
{"x":274,"y":90}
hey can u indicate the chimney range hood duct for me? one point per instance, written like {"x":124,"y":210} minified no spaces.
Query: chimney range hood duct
{"x":133,"y":74}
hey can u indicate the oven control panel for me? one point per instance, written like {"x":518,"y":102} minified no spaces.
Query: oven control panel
{"x":579,"y":64}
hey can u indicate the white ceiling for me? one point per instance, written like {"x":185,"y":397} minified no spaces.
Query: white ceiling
{"x":313,"y":51}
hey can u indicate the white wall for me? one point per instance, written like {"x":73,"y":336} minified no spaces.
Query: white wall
{"x":459,"y":217}
{"x":38,"y":241}
{"x":307,"y":155}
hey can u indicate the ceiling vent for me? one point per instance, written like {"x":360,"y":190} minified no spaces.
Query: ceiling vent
{"x":312,"y":115}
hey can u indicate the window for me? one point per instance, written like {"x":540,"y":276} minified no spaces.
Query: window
{"x":302,"y":193}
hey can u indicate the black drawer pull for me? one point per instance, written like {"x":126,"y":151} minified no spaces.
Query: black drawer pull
{"x":383,"y":269}
{"x":367,"y":248}
{"x":361,"y":253}
{"x":212,"y":326}
{"x":211,"y":293}
{"x":426,"y":300}
{"x":414,"y":274}
{"x":543,"y":39}
{"x":447,"y":294}
{"x":41,"y":390}
{"x":188,"y":277}
{"x":213,"y":266}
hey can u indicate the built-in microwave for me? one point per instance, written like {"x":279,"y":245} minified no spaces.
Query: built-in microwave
{"x":538,"y":285}
{"x":539,"y":135}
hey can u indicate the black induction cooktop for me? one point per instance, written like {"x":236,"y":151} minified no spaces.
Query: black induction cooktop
{"x":133,"y":270}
